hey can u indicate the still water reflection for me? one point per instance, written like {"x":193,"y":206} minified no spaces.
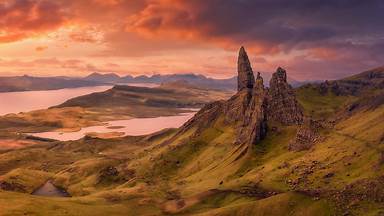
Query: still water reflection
{"x":133,"y":127}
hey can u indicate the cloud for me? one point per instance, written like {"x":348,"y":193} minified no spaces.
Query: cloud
{"x":41,"y":48}
{"x":20,"y":19}
{"x":87,"y":35}
{"x":322,"y":36}
{"x":315,"y":38}
{"x":269,"y":25}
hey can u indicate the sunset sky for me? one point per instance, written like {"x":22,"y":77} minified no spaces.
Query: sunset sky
{"x":312,"y":39}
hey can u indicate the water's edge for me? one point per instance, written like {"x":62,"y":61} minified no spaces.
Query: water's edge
{"x":130,"y":127}
{"x":48,"y":189}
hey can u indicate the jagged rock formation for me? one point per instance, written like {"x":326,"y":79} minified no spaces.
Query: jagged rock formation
{"x":307,"y":135}
{"x":282,"y":104}
{"x":254,"y":122}
{"x":250,"y":109}
{"x":245,"y":79}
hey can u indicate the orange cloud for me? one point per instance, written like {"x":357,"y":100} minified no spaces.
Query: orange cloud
{"x":87,"y":35}
{"x":28,"y":18}
{"x":140,"y":34}
{"x":41,"y":48}
{"x":324,"y":53}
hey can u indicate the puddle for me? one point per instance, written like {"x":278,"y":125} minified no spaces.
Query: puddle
{"x":50,"y":190}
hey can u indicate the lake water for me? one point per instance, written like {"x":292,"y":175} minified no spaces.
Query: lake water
{"x":133,"y":127}
{"x":15,"y":102}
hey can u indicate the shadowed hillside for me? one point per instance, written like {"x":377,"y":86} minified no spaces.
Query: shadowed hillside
{"x":170,"y":95}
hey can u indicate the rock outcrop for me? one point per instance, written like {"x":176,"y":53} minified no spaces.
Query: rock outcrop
{"x":254,"y":122}
{"x":307,"y":135}
{"x":250,"y":109}
{"x":282,"y":104}
{"x":245,"y":79}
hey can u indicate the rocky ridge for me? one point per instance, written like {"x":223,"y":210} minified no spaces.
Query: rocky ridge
{"x":253,"y":107}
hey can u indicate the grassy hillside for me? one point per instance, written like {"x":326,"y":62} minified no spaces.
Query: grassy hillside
{"x":166,"y":96}
{"x":181,"y":172}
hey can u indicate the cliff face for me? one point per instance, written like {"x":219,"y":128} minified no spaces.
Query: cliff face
{"x":250,"y":109}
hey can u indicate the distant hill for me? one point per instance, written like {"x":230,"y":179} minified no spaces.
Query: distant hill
{"x":29,"y":83}
{"x":104,"y":78}
{"x":166,"y":96}
{"x":194,"y":79}
{"x":362,"y":83}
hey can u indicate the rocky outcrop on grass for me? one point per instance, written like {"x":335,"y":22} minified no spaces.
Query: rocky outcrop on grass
{"x":254,"y":120}
{"x":250,"y":109}
{"x":307,"y":135}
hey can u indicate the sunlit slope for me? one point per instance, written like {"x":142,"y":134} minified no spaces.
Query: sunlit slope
{"x":349,"y":153}
{"x":199,"y":170}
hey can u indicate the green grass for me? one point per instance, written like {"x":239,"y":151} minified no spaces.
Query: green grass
{"x":14,"y":204}
{"x":192,"y":164}
{"x":217,"y":201}
{"x":28,"y":179}
{"x":320,"y":106}
{"x":282,"y":204}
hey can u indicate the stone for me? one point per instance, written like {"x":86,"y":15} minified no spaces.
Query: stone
{"x":108,"y":174}
{"x":329,"y":175}
{"x":12,"y":186}
{"x":245,"y":79}
{"x":306,"y":136}
{"x":282,"y":104}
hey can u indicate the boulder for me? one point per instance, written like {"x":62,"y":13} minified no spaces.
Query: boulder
{"x":306,"y":136}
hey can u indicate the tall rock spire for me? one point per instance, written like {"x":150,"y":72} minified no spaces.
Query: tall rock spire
{"x":245,"y":79}
{"x":283,"y":106}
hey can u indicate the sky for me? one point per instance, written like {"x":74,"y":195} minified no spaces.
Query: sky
{"x":311,"y":39}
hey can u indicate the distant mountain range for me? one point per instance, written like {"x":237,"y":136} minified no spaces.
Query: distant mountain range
{"x":30,"y":83}
{"x":193,"y":79}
